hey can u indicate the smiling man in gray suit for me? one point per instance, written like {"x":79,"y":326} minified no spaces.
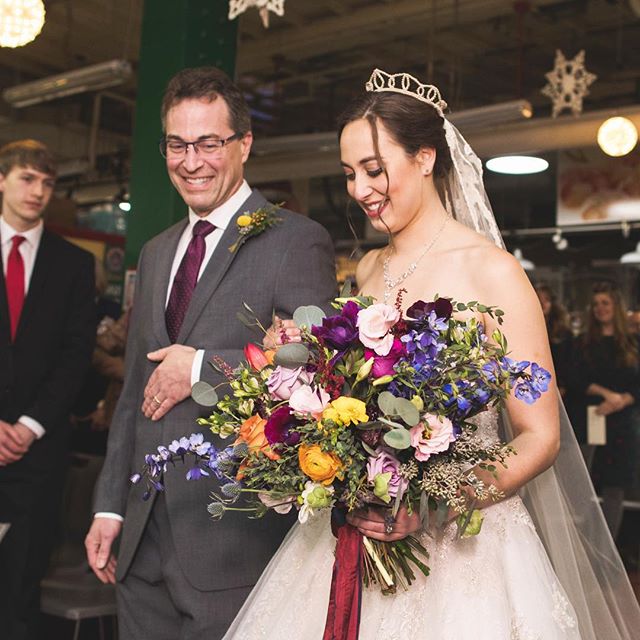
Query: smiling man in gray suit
{"x":179,"y":575}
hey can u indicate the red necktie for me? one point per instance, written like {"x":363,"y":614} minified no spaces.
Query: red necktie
{"x":15,"y":283}
{"x":186,"y":279}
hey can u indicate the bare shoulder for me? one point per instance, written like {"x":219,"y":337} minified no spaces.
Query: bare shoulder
{"x":367,"y":266}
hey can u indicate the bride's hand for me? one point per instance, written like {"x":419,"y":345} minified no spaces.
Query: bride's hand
{"x":280,"y":332}
{"x":371,"y":523}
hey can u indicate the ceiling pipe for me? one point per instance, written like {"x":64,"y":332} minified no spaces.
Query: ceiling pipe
{"x":316,"y":154}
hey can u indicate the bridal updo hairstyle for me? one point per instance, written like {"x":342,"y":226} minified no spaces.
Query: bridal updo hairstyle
{"x":413,"y":124}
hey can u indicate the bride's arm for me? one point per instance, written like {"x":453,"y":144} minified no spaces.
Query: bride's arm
{"x":536,"y":427}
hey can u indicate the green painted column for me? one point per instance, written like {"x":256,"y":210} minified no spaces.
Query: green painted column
{"x":175,"y":34}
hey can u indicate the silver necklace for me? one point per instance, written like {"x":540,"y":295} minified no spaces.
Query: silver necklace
{"x":391,"y":283}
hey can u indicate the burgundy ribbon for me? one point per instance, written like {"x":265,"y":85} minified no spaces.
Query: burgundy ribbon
{"x":343,"y":615}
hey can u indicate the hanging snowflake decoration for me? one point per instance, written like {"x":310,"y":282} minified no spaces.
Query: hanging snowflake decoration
{"x":236,"y":7}
{"x":568,"y":83}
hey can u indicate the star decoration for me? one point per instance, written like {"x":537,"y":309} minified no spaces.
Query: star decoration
{"x":236,"y":7}
{"x":568,"y":83}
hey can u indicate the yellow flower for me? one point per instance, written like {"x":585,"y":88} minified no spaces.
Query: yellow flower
{"x":318,"y":465}
{"x":346,"y":411}
{"x":244,"y":220}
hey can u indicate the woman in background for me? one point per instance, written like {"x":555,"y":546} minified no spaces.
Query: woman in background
{"x":605,"y":373}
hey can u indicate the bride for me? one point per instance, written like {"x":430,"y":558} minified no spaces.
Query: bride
{"x":544,"y":571}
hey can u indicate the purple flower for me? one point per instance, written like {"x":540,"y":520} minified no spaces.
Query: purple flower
{"x":526,"y":392}
{"x":539,"y":378}
{"x":384,"y":462}
{"x":279,"y":427}
{"x":282,"y":382}
{"x":513,"y":367}
{"x":420,"y":309}
{"x":384,"y":365}
{"x":195,"y":473}
{"x":339,"y":332}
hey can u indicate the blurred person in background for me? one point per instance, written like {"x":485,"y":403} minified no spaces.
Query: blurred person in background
{"x":559,"y":330}
{"x":47,"y":329}
{"x":605,"y":373}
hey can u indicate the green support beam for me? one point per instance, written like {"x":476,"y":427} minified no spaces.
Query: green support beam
{"x":175,"y":34}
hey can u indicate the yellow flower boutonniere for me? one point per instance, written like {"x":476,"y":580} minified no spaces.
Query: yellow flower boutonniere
{"x":251,"y":224}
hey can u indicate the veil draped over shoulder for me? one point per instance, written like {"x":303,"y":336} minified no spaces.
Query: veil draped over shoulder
{"x":561,"y":501}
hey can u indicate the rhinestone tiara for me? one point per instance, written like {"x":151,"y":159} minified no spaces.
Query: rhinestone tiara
{"x":407,"y":85}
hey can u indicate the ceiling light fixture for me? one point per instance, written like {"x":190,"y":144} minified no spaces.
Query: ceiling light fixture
{"x":20,"y":21}
{"x":633,"y":257}
{"x":92,"y":78}
{"x":527,"y":265}
{"x":617,"y":136}
{"x":517,"y":165}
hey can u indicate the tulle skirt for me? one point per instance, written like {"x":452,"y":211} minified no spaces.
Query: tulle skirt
{"x":498,"y":585}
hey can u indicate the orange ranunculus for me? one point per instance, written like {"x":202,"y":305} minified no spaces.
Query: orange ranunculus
{"x":319,"y":465}
{"x":255,"y":356}
{"x":252,"y":432}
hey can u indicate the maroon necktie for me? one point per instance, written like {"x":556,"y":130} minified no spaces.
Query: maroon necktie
{"x":186,"y":278}
{"x":15,"y":283}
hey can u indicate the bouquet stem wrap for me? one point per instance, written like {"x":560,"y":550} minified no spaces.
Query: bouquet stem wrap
{"x":345,"y":599}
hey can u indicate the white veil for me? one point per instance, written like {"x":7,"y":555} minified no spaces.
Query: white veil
{"x":561,"y":501}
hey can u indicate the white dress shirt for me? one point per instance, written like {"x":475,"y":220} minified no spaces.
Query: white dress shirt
{"x":28,"y":250}
{"x":220,"y":218}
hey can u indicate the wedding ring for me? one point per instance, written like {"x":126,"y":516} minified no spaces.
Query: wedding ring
{"x":155,"y":399}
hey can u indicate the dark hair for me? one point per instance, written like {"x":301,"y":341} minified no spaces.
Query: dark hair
{"x":27,"y":153}
{"x":558,"y":326}
{"x":413,"y":124}
{"x":207,"y":83}
{"x":626,"y":347}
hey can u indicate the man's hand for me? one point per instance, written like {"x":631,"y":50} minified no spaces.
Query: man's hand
{"x":98,"y":544}
{"x":14,"y":443}
{"x":170,"y":383}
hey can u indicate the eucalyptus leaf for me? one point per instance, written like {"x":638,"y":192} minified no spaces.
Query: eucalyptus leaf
{"x":387,"y":403}
{"x":292,"y":355}
{"x":368,"y":449}
{"x":204,"y":394}
{"x":345,"y":292}
{"x":308,"y":316}
{"x":391,"y":423}
{"x":407,"y":411}
{"x":398,"y":438}
{"x":246,"y":320}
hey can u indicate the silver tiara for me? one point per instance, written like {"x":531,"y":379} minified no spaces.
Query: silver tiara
{"x":408,"y":86}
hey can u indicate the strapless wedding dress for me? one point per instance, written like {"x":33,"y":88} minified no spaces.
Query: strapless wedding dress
{"x":498,"y":585}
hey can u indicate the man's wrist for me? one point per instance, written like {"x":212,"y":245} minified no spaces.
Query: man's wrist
{"x":108,"y":514}
{"x":32,"y":425}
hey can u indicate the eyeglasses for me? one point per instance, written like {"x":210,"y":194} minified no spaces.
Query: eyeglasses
{"x":176,"y":148}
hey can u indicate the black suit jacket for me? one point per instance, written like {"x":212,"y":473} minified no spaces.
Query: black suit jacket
{"x":41,"y":372}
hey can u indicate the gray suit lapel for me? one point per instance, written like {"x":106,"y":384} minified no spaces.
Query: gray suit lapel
{"x":163,"y":260}
{"x":219,"y":264}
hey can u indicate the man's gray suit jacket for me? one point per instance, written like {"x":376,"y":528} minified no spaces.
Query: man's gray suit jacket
{"x":288,"y":265}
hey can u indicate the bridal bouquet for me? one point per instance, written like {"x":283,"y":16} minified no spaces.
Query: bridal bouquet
{"x":369,"y":409}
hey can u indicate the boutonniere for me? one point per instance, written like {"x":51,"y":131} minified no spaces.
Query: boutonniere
{"x":252,"y":224}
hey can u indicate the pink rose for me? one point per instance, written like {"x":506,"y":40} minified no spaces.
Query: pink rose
{"x":309,"y":401}
{"x":374,"y":324}
{"x":283,"y":382}
{"x":430,"y":436}
{"x":385,"y":462}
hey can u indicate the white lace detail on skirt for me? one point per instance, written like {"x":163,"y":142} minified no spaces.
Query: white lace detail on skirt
{"x":496,"y":585}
